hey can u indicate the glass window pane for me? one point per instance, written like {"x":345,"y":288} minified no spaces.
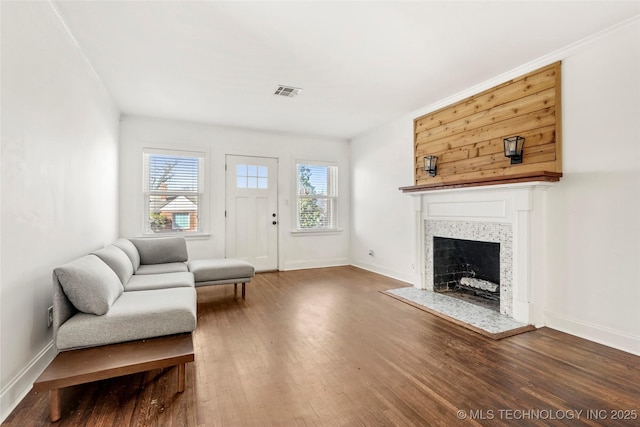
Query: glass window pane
{"x":262,"y":183}
{"x":252,"y":182}
{"x":252,"y":170}
{"x":312,"y":213}
{"x":313,"y":180}
{"x":173,"y":173}
{"x":241,"y":182}
{"x":263,"y":171}
{"x":241,"y":170}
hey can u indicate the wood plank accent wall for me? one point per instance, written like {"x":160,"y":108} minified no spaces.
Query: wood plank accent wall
{"x":467,"y":136}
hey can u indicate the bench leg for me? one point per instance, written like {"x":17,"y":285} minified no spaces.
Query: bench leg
{"x":181,"y":376}
{"x":243,"y":290}
{"x":235,"y":289}
{"x":54,"y":404}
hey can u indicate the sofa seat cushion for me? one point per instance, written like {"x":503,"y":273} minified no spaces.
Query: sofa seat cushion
{"x":222,"y":270}
{"x":147,"y":282}
{"x":134,"y":316}
{"x":170,"y":267}
{"x":119,"y":262}
{"x":90,"y":284}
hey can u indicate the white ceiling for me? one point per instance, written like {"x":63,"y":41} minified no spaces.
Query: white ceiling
{"x":361,"y":63}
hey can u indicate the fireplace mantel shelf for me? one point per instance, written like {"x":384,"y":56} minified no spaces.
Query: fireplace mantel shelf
{"x":542,"y":176}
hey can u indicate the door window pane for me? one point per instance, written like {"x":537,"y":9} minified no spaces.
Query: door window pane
{"x":252,"y":176}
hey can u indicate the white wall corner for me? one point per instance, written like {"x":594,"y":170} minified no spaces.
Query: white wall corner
{"x":411,"y":279}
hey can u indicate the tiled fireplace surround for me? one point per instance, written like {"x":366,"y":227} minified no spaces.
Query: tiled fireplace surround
{"x":513,"y":215}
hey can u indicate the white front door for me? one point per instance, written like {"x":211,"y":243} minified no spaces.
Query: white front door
{"x":252,"y":210}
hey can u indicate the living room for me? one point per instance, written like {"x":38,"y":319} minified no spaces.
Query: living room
{"x":72,"y":144}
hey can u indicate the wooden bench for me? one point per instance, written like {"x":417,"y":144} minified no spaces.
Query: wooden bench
{"x":98,"y":363}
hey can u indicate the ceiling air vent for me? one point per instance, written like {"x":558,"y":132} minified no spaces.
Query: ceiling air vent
{"x":287,"y":91}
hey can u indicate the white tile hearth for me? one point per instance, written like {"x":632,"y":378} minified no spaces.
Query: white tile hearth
{"x":473,"y":315}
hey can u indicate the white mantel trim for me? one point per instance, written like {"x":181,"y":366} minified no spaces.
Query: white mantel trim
{"x":543,"y":185}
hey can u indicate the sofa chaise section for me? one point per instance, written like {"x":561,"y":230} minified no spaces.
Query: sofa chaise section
{"x":169,"y":255}
{"x":135,"y":316}
{"x":93,"y":307}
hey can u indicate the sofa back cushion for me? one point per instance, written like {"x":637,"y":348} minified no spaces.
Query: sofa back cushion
{"x":161,"y":250}
{"x":155,"y":269}
{"x":119,"y":262}
{"x":131,"y":251}
{"x":90,"y":284}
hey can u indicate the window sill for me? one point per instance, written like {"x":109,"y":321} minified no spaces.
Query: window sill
{"x":332,"y":231}
{"x":199,"y":236}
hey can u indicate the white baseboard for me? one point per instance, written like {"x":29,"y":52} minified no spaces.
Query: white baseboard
{"x":13,"y":393}
{"x":411,"y":279}
{"x":314,"y":263}
{"x":592,"y":332}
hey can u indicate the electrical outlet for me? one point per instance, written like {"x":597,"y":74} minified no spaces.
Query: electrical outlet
{"x":49,"y":317}
{"x":370,"y":252}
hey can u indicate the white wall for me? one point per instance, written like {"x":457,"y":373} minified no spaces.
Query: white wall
{"x":382,"y":217}
{"x":294,"y":251}
{"x":594,"y":211}
{"x":59,"y":181}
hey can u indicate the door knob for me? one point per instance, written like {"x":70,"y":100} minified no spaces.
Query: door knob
{"x":273,"y":215}
{"x":274,"y":222}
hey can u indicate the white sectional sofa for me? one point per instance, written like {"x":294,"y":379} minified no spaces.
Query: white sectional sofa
{"x":134,"y":289}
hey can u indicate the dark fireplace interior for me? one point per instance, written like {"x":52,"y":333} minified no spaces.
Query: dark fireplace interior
{"x":467,"y":269}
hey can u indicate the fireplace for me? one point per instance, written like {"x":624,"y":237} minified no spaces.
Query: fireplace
{"x":495,"y":235}
{"x":468,"y":270}
{"x":510,"y":217}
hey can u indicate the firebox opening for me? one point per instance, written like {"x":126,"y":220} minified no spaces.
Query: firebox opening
{"x":467,"y":269}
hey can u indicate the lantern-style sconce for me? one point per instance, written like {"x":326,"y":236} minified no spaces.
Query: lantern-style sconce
{"x":513,"y":149}
{"x":430,"y":165}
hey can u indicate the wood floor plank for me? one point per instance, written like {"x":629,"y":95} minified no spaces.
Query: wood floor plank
{"x":324,"y":347}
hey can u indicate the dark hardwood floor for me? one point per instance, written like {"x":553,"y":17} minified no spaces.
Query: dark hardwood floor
{"x":325,"y":347}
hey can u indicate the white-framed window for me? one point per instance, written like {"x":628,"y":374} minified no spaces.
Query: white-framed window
{"x":317,"y":196}
{"x":173,"y":191}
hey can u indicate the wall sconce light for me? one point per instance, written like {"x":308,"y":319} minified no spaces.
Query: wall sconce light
{"x":513,"y":149}
{"x":430,"y":165}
